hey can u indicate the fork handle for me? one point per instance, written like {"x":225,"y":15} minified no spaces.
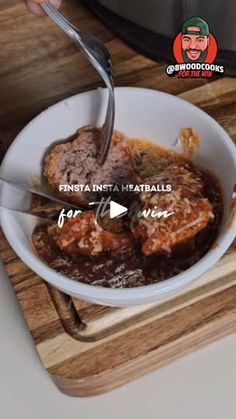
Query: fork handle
{"x":61,"y":21}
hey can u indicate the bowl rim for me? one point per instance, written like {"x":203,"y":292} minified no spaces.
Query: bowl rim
{"x":138,"y":294}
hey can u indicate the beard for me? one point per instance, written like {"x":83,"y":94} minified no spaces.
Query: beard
{"x":201,"y":58}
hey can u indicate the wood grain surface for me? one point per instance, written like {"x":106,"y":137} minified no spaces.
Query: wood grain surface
{"x":103,"y":348}
{"x":89,"y":349}
{"x":40,"y":65}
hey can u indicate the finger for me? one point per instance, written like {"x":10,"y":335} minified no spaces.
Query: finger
{"x":34,"y":6}
{"x":55,"y":3}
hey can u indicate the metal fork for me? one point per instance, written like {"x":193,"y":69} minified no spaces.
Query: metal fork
{"x":100,"y":59}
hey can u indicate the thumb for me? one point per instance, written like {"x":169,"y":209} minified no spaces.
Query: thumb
{"x":34,"y":5}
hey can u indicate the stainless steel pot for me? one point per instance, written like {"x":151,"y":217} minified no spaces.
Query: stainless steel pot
{"x":148,"y":23}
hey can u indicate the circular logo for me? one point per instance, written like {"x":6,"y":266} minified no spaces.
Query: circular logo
{"x":185,"y":53}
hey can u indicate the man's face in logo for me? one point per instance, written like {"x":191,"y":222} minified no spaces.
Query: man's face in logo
{"x":194,"y":47}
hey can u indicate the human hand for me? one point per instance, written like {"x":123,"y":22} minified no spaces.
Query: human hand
{"x":34,"y":5}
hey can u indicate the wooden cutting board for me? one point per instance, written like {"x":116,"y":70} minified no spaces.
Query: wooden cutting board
{"x":89,"y":349}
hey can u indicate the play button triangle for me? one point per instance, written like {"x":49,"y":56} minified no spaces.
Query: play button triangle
{"x":116,"y":209}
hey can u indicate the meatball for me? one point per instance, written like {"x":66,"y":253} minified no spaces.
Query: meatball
{"x":191,"y":212}
{"x":75,"y":163}
{"x":83,"y":235}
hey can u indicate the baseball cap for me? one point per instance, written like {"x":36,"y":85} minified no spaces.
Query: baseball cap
{"x":197,"y":22}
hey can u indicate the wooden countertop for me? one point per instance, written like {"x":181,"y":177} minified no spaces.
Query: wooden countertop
{"x":39,"y":66}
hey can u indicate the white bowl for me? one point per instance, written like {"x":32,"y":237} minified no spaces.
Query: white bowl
{"x":139,"y":112}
